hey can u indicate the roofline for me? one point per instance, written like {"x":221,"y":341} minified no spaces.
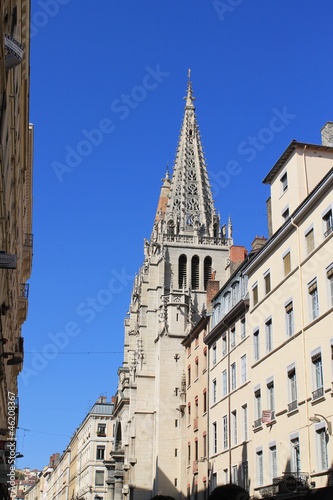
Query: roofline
{"x":287,"y":153}
{"x":198,"y":327}
{"x":288,"y":225}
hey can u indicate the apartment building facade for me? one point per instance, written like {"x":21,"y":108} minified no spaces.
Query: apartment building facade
{"x":16,"y":140}
{"x":290,"y":319}
{"x":81,"y":471}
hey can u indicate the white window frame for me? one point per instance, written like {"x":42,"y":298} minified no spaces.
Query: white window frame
{"x":269,"y":334}
{"x":233,"y":376}
{"x":313,"y":299}
{"x":289,"y":315}
{"x":243,"y":369}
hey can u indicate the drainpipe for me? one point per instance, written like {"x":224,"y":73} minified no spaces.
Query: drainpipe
{"x":305,"y":172}
{"x":302,"y":330}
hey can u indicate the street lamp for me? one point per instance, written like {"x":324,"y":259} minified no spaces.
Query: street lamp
{"x":316,"y":419}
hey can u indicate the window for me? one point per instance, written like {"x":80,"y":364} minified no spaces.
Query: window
{"x":233,"y":337}
{"x":99,"y":478}
{"x":273,"y":461}
{"x":101,"y":430}
{"x":235,"y":293}
{"x":226,"y":476}
{"x":182,"y":264}
{"x":245,"y":428}
{"x":189,"y":414}
{"x":243,"y":369}
{"x":309,"y":241}
{"x":233,"y":376}
{"x":204,"y":360}
{"x":214,"y":391}
{"x":196,"y":367}
{"x":195,"y":272}
{"x":269,"y":335}
{"x":245,"y":476}
{"x":214,"y":437}
{"x":188,"y":375}
{"x":295,"y":455}
{"x":329,"y":274}
{"x":328,"y":223}
{"x":234,"y":427}
{"x":313,"y":300}
{"x":204,"y":400}
{"x":260,"y":467}
{"x":285,"y":214}
{"x":224,"y":383}
{"x":317,"y":376}
{"x":234,"y":474}
{"x":225,"y":432}
{"x":271,"y":397}
{"x":214,"y":354}
{"x":224,"y":345}
{"x":257,"y":407}
{"x":267,"y":280}
{"x":243,"y":328}
{"x":286,"y":263}
{"x":292,"y":388}
{"x":204,"y":444}
{"x":196,"y":407}
{"x":289,"y":311}
{"x":188,"y":454}
{"x":100,"y":452}
{"x":256,"y":345}
{"x":322,"y":439}
{"x":284,"y":182}
{"x":207,"y":270}
{"x":255,"y":294}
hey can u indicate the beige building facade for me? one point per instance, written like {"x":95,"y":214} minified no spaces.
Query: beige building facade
{"x":290,"y":319}
{"x":81,"y":472}
{"x":16,"y":140}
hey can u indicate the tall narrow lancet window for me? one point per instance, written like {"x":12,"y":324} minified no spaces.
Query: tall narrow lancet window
{"x":195,"y":273}
{"x":182,"y":265}
{"x":207,"y":270}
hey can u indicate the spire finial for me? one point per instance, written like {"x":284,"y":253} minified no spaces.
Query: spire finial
{"x":189,"y":95}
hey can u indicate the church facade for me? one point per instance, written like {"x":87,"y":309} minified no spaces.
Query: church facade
{"x":186,"y":248}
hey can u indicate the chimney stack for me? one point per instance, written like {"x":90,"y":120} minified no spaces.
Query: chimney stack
{"x":327,"y":134}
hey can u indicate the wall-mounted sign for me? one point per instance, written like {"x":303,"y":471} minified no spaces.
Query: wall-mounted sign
{"x":14,"y":52}
{"x":7,"y":260}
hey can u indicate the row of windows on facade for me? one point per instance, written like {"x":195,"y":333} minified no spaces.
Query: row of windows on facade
{"x":229,"y":299}
{"x":273,"y":472}
{"x":195,"y":272}
{"x":317,"y":384}
{"x":327,"y":216}
{"x":286,"y":262}
{"x":312,"y":290}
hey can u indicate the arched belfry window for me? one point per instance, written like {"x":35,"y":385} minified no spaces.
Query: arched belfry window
{"x":207,"y":270}
{"x":182,"y":271}
{"x":195,"y":273}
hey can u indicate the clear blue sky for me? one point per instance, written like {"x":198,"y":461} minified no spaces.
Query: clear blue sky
{"x":107,"y":85}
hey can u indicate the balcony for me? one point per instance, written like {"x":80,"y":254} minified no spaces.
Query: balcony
{"x":318,"y":393}
{"x":292,"y":406}
{"x":27,"y":255}
{"x":291,"y":482}
{"x":22,"y":303}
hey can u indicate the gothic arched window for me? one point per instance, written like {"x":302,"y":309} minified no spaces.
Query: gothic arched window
{"x":195,"y":273}
{"x":182,"y":271}
{"x":207,"y":270}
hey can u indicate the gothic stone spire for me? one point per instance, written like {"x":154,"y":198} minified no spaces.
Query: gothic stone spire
{"x":190,"y":207}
